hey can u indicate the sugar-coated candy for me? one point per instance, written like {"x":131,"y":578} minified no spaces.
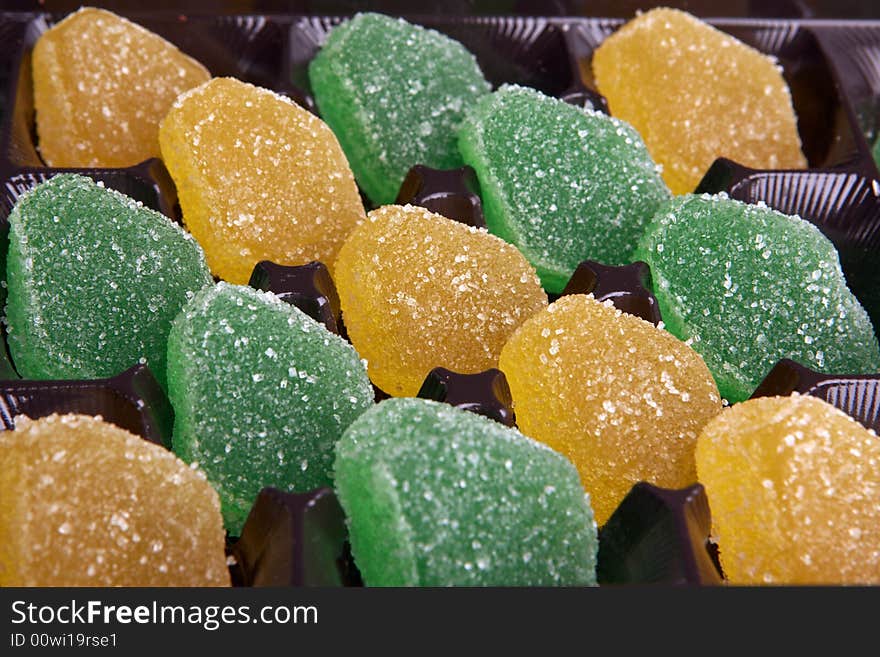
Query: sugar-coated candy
{"x":420,"y":291}
{"x":794,"y":487}
{"x":94,"y":281}
{"x":562,"y":183}
{"x":438,"y":496}
{"x":696,"y":94}
{"x":394,"y":94}
{"x":750,"y":286}
{"x":101,"y":86}
{"x":85,"y":503}
{"x":261,"y":393}
{"x":621,"y":398}
{"x":258,"y":177}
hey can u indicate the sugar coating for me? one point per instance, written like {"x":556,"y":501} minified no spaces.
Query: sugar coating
{"x":794,"y":486}
{"x":261,"y":393}
{"x":562,"y":183}
{"x":420,"y":291}
{"x":749,"y":286}
{"x":437,"y":496}
{"x":621,"y":398}
{"x":394,"y":94}
{"x":101,"y":86}
{"x":94,"y":281}
{"x":86,"y":503}
{"x":258,"y":178}
{"x":695,"y":94}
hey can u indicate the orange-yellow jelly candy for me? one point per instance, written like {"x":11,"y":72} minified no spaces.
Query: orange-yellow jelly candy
{"x":101,"y":86}
{"x":258,"y":177}
{"x":85,"y":503}
{"x":420,"y":291}
{"x":695,"y":94}
{"x":621,"y":398}
{"x":794,"y":488}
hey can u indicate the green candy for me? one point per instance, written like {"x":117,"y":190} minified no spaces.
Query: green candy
{"x":94,"y":281}
{"x":261,"y":393}
{"x":875,"y":152}
{"x":394,"y":94}
{"x":437,"y":496}
{"x":749,"y":286}
{"x":563,"y":184}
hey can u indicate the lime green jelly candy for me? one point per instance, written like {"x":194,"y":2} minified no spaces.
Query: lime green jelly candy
{"x":394,"y":94}
{"x":749,"y":286}
{"x":562,"y":183}
{"x":437,"y":496}
{"x":95,"y":280}
{"x":261,"y":393}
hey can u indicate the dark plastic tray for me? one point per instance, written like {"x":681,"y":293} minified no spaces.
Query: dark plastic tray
{"x":831,"y":66}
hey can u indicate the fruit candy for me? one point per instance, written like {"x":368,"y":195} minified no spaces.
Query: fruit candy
{"x":394,"y":93}
{"x":695,"y":94}
{"x":562,"y":183}
{"x":261,"y":392}
{"x":94,"y":280}
{"x":751,"y":286}
{"x":438,"y":496}
{"x":794,"y":487}
{"x":101,"y":86}
{"x":420,"y":291}
{"x":86,"y":503}
{"x":258,"y":177}
{"x":621,"y":398}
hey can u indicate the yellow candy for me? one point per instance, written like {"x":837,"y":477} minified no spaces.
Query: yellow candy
{"x":258,"y":177}
{"x":420,"y":291}
{"x":85,"y":503}
{"x":696,"y":94}
{"x":794,"y":488}
{"x":101,"y":86}
{"x":621,"y":398}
